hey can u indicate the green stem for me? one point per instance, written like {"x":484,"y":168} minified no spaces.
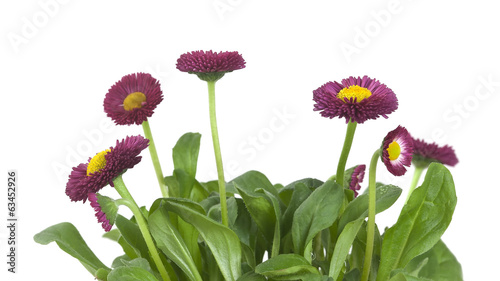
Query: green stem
{"x":349,"y":136}
{"x":141,"y":222}
{"x":372,"y":200}
{"x":154,"y":157}
{"x":414,"y":181}
{"x":218,"y":157}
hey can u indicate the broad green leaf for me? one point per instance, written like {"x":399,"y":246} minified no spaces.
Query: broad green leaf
{"x":449,"y":267}
{"x":343,"y":246}
{"x":186,"y":182}
{"x":310,"y":218}
{"x":113,"y":234}
{"x":189,"y":187}
{"x":252,"y":276}
{"x":138,"y":262}
{"x":277,"y":234}
{"x":243,"y":225}
{"x":438,"y":264}
{"x":406,"y":277}
{"x":213,"y":186}
{"x":287,"y":191}
{"x":353,"y":275}
{"x":118,"y":261}
{"x":133,"y":236}
{"x":117,"y":237}
{"x":299,"y":195}
{"x":261,"y":210}
{"x":386,"y":195}
{"x":357,"y":256}
{"x":169,"y":240}
{"x":214,"y":212}
{"x":173,"y":186}
{"x":421,"y":223}
{"x":124,"y":273}
{"x":253,"y":180}
{"x":286,"y":267}
{"x":69,"y":240}
{"x":185,"y":153}
{"x":211,"y":270}
{"x":222,"y":241}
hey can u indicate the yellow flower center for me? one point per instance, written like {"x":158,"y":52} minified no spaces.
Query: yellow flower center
{"x":134,"y":100}
{"x":97,"y":163}
{"x":394,"y":150}
{"x":354,"y":91}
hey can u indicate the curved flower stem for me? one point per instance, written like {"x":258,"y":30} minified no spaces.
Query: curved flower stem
{"x":414,"y":181}
{"x":154,"y":157}
{"x":349,"y":136}
{"x":372,"y":200}
{"x":218,"y":156}
{"x":141,"y":222}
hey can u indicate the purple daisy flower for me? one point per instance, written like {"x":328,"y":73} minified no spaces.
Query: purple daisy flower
{"x":356,"y":99}
{"x":133,"y":99}
{"x":210,"y":66}
{"x":104,"y":167}
{"x":105,"y":209}
{"x":356,"y":178}
{"x":397,"y":149}
{"x":425,"y":153}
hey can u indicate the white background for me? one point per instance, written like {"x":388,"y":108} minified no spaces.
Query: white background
{"x":59,"y":59}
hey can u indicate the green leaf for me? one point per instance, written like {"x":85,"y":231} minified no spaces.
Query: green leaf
{"x":449,"y":267}
{"x":353,"y":275}
{"x":113,"y":234}
{"x":343,"y":246}
{"x":185,"y":153}
{"x":309,"y":219}
{"x":169,"y":240}
{"x":386,"y":195}
{"x":438,"y":264}
{"x":421,"y":223}
{"x":133,"y":236}
{"x":253,"y":180}
{"x":402,"y":276}
{"x":261,"y":210}
{"x":124,"y":273}
{"x":138,"y":262}
{"x":287,"y":191}
{"x":222,"y":241}
{"x":252,"y":276}
{"x":189,"y":187}
{"x":286,"y":267}
{"x":277,"y":234}
{"x":299,"y":195}
{"x":69,"y":240}
{"x":127,"y":249}
{"x":173,"y":186}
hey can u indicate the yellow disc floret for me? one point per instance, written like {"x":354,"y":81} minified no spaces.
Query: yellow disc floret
{"x":354,"y":91}
{"x":394,"y":150}
{"x":134,"y":100}
{"x":97,"y":163}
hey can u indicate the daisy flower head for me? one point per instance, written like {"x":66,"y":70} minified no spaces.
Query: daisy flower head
{"x":425,"y":153}
{"x":104,"y":167}
{"x":105,"y":209}
{"x":355,"y":99}
{"x":133,"y":99}
{"x":210,"y":66}
{"x":397,"y":149}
